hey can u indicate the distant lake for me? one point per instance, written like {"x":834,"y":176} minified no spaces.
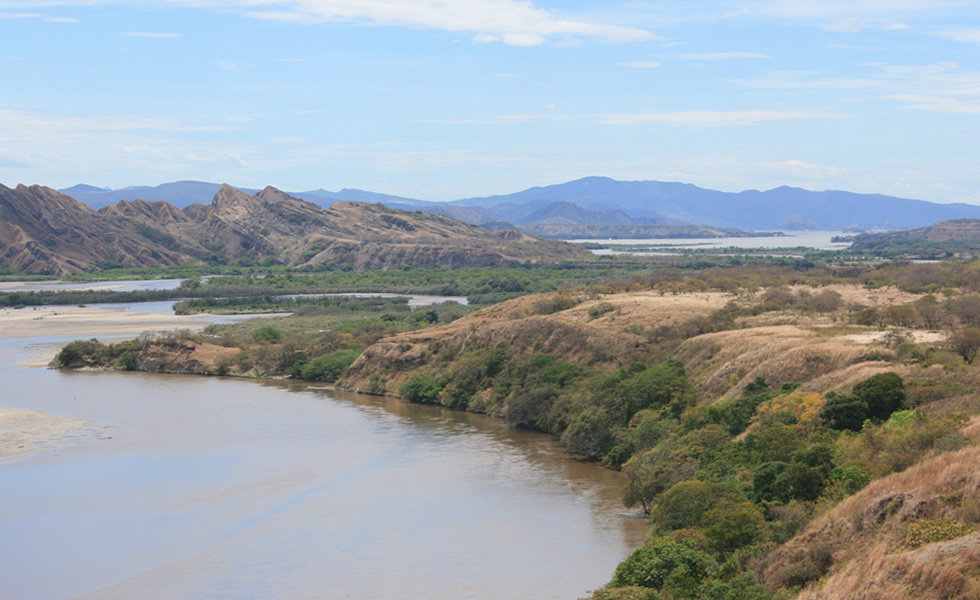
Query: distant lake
{"x":819,"y":240}
{"x":204,"y":487}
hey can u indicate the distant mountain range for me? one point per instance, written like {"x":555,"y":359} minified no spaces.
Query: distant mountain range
{"x":45,"y":231}
{"x":184,"y":193}
{"x":633,"y":208}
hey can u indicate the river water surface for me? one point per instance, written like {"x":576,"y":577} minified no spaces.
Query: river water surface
{"x":194,"y":487}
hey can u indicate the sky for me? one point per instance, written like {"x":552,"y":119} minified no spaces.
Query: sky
{"x":446,"y":99}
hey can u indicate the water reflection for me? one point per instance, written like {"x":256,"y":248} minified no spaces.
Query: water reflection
{"x":207,"y":487}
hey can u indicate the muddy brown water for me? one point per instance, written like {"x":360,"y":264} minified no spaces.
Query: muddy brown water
{"x":197,"y":487}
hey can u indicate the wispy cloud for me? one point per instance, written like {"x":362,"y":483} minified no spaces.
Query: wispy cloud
{"x":227,"y":65}
{"x":513,"y":22}
{"x":971,"y":36}
{"x":6,"y":16}
{"x":939,"y":87}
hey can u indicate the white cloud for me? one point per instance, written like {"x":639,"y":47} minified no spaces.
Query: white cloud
{"x":227,"y":65}
{"x":511,"y":39}
{"x":971,"y":36}
{"x":514,"y":22}
{"x":939,"y":87}
{"x":710,"y":118}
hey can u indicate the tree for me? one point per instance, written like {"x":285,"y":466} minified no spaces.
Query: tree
{"x":966,"y":343}
{"x":826,"y":301}
{"x":652,"y":566}
{"x":844,"y":412}
{"x":884,"y":394}
{"x":657,"y":386}
{"x":766,"y":484}
{"x":686,"y":504}
{"x":590,"y":433}
{"x":732,"y":525}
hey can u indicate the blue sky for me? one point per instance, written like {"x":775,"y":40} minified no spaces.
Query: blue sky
{"x":444,"y":99}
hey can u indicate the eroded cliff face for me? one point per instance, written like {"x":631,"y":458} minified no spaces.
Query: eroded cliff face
{"x":42,"y":230}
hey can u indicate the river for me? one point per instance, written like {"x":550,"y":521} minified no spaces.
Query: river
{"x":816,"y":240}
{"x":194,"y":487}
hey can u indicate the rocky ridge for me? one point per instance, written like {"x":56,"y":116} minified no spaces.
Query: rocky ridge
{"x":42,"y":230}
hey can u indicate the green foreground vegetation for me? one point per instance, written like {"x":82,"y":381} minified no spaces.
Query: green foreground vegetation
{"x":724,"y":485}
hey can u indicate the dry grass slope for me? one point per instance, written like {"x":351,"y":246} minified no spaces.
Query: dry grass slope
{"x":864,"y":535}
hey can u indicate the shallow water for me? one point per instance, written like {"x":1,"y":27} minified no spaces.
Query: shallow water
{"x":817,"y":240}
{"x":216,"y":488}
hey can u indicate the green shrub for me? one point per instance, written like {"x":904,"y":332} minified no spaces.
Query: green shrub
{"x":421,"y":388}
{"x":662,"y":562}
{"x":329,"y":367}
{"x":267,"y":335}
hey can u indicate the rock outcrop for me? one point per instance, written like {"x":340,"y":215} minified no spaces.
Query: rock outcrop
{"x":42,"y":230}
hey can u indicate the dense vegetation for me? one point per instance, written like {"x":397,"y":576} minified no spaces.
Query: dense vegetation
{"x":725,"y":484}
{"x":316,"y":343}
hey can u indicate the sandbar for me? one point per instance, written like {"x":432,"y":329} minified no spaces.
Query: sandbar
{"x":88,"y":321}
{"x":23,"y":431}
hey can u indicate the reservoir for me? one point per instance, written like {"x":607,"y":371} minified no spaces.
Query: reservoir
{"x":195,"y":487}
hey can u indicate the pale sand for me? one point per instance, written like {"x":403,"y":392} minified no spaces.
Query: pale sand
{"x":24,"y":431}
{"x":85,"y":322}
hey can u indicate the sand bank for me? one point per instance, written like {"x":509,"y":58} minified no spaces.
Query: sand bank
{"x":23,"y":431}
{"x":45,"y":321}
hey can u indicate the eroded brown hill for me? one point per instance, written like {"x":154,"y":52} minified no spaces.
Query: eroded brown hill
{"x":42,"y":230}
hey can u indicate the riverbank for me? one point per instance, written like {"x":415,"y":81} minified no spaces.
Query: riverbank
{"x":208,"y":486}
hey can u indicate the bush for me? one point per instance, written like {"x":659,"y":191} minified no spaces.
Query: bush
{"x":329,"y":367}
{"x":590,"y":433}
{"x":686,"y":503}
{"x":421,"y":388}
{"x":77,"y":350}
{"x":267,"y":335}
{"x":927,"y":531}
{"x":732,"y":525}
{"x":664,"y":561}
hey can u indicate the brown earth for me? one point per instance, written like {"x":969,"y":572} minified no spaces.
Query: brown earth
{"x":42,"y":230}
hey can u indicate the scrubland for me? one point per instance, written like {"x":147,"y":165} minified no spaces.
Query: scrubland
{"x":789,"y":432}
